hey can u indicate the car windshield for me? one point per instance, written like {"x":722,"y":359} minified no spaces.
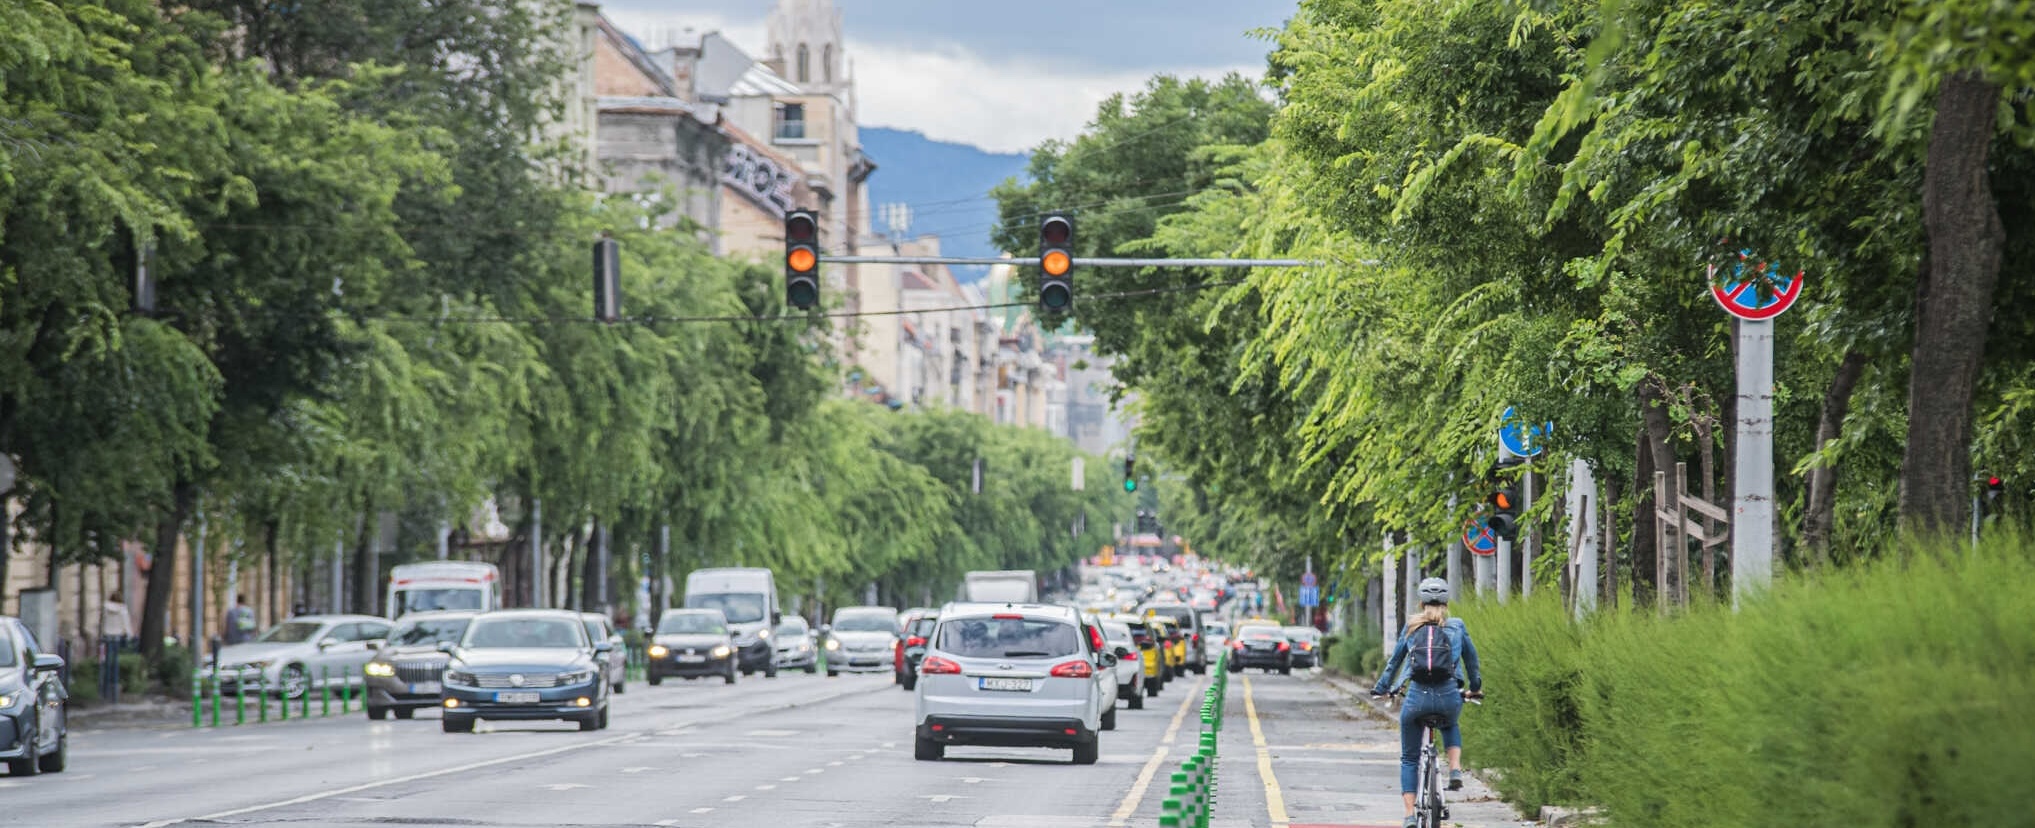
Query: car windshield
{"x":546,"y":633}
{"x":1009,"y":638}
{"x":691,"y":623}
{"x":1116,"y":632}
{"x":428,"y":631}
{"x":437,"y":600}
{"x":1218,"y":628}
{"x":593,"y":631}
{"x":924,"y":626}
{"x":1260,"y":633}
{"x":6,"y":647}
{"x":865,"y":622}
{"x":291,"y":632}
{"x":738,"y":607}
{"x":793,"y":626}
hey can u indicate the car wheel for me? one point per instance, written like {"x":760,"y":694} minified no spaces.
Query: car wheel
{"x":833,"y":673}
{"x":377,"y":713}
{"x":911,"y":682}
{"x":1109,"y":718}
{"x":729,"y":678}
{"x":591,"y":721}
{"x":460,"y":724}
{"x":812,"y":668}
{"x":295,"y":682}
{"x":1235,"y":667}
{"x":1152,"y":690}
{"x":1086,"y":754}
{"x":770,"y":671}
{"x":604,"y":718}
{"x":27,"y":765}
{"x":927,"y":750}
{"x":654,"y":679}
{"x":54,"y":761}
{"x":405,"y":712}
{"x":1286,"y":669}
{"x":1137,"y":701}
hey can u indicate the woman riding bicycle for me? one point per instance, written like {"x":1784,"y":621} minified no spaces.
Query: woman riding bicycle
{"x":1431,"y":692}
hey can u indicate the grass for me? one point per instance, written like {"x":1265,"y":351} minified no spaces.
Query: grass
{"x":1892,"y":694}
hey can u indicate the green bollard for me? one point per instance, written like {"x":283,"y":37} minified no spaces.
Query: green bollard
{"x":283,"y":705}
{"x":304,"y":700}
{"x":215,"y":695}
{"x":240,"y":696}
{"x":197,"y":700}
{"x":262,"y":698}
{"x":324,"y":691}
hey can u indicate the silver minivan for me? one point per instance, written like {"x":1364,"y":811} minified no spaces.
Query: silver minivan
{"x":1014,"y":675}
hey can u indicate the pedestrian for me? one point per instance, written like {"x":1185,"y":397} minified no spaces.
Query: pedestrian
{"x":115,"y":623}
{"x":240,"y":623}
{"x":1439,"y":658}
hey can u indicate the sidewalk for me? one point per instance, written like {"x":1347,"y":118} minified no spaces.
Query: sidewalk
{"x":1308,"y":751}
{"x":152,"y":712}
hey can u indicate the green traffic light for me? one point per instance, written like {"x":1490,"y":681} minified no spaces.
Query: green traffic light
{"x":1130,"y":484}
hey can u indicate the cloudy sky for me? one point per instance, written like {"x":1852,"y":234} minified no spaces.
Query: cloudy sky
{"x":1000,"y":74}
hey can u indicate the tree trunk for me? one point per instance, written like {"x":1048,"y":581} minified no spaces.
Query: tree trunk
{"x":162,"y":571}
{"x":1820,"y":519}
{"x":1608,"y":599}
{"x":1643,"y":551}
{"x":1953,"y":305}
{"x":590,"y":570}
{"x":270,"y":529}
{"x":364,"y":564}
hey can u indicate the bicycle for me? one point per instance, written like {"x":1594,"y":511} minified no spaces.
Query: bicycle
{"x":1428,"y":804}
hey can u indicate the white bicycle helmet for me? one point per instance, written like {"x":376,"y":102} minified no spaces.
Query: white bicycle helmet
{"x":1434,"y":591}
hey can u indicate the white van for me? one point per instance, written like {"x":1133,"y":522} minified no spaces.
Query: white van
{"x":748,"y":598}
{"x":443,"y":585}
{"x":1003,"y":586}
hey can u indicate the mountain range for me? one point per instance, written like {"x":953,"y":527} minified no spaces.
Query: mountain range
{"x":945,"y":184}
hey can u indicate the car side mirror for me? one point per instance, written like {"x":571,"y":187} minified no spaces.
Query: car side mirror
{"x":446,"y":647}
{"x":1123,"y":652}
{"x":604,"y":647}
{"x":776,"y":618}
{"x":377,"y":643}
{"x":48,"y":663}
{"x":327,"y":643}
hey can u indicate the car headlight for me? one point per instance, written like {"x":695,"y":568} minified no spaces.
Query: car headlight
{"x":579,"y":677}
{"x":460,"y":677}
{"x":833,"y":644}
{"x":658,"y":651}
{"x":380,"y":669}
{"x":7,"y":700}
{"x":722,"y":651}
{"x":763,"y":634}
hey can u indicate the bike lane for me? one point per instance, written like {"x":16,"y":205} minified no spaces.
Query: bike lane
{"x":1300,"y":751}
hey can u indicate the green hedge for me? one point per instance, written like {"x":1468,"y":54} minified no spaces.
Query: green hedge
{"x":1896,"y":694}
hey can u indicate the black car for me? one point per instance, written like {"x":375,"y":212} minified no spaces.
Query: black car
{"x":526,"y":664}
{"x":691,"y":643}
{"x":407,"y":673}
{"x":34,"y":720}
{"x":1262,"y":646}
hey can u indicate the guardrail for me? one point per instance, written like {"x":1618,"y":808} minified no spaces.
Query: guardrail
{"x":1190,"y":800}
{"x":249,"y":685}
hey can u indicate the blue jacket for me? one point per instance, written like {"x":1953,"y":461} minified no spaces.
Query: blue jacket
{"x":1397,"y":671}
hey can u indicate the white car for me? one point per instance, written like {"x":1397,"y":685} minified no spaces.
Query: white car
{"x":1014,"y":675}
{"x":302,"y":654}
{"x":1130,"y":671}
{"x":1214,"y":638}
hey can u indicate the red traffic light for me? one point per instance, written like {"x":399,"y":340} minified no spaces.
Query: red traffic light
{"x":799,"y":228}
{"x":1056,"y":231}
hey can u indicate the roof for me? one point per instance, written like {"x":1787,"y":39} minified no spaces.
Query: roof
{"x":759,"y":81}
{"x":643,"y":105}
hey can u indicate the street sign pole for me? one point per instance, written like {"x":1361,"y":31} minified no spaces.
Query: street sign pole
{"x":1752,"y":519}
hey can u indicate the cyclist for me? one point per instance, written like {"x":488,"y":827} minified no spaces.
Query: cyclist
{"x":1440,"y":698}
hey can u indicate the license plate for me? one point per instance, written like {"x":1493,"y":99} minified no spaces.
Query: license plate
{"x":516,"y":698}
{"x":1018,"y":685}
{"x":692,"y":659}
{"x":425,"y":687}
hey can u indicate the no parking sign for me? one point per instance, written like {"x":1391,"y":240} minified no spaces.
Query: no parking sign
{"x":1755,"y":290}
{"x":1478,"y":537}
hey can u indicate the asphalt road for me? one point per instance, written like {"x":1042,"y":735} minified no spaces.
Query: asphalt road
{"x":797,"y":750}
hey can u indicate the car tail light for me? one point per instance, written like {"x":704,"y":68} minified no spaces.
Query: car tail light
{"x":915,"y":641}
{"x":1283,"y":646}
{"x":1008,"y":616}
{"x":935,"y":666}
{"x":1306,"y":645}
{"x":1132,"y":656}
{"x":1197,"y":638}
{"x":1073,"y":669}
{"x":1236,"y":645}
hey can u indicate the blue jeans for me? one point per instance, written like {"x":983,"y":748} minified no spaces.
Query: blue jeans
{"x":1423,"y":701}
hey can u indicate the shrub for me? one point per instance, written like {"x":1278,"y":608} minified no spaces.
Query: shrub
{"x":171,"y":673}
{"x":1893,"y":694}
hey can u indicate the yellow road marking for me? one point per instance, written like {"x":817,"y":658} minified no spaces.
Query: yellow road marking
{"x":1275,"y":800}
{"x":1136,"y":796}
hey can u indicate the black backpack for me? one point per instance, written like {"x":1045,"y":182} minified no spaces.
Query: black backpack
{"x":1429,"y":655}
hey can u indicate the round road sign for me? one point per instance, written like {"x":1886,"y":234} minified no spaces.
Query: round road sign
{"x":1478,"y":538}
{"x":1517,"y":438}
{"x":1753,"y":289}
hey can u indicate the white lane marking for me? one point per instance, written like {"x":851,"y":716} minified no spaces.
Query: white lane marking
{"x":971,"y":780}
{"x":941,"y":797}
{"x":638,"y":769}
{"x":367,"y":786}
{"x":816,"y":770}
{"x":667,"y":823}
{"x":735,"y":798}
{"x":766,"y":787}
{"x":791,"y":779}
{"x":700,"y":811}
{"x":833,"y":764}
{"x":565,"y":786}
{"x":890,"y":744}
{"x":692,"y":756}
{"x":771,"y":733}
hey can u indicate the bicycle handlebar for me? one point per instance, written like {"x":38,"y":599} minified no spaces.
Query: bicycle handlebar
{"x":1475,"y":697}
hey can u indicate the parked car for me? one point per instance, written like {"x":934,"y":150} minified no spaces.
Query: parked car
{"x":1023,"y":675}
{"x":34,"y":707}
{"x":861,"y":639}
{"x":1306,"y":643}
{"x":917,"y":626}
{"x":407,"y":672}
{"x":1130,"y":668}
{"x":599,"y":628}
{"x":1263,"y":646}
{"x":302,"y":654}
{"x":526,"y":664}
{"x":797,"y":647}
{"x":692,"y":643}
{"x":1188,"y":622}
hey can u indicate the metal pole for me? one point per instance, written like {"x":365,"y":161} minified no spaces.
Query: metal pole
{"x":536,"y":552}
{"x":198,"y":587}
{"x":1080,"y":262}
{"x":338,"y":576}
{"x":1455,"y":560}
{"x":1752,"y":519}
{"x":1412,"y":572}
{"x":1388,"y":615}
{"x":1526,"y":549}
{"x":1503,"y":565}
{"x":444,"y":540}
{"x":1582,"y":506}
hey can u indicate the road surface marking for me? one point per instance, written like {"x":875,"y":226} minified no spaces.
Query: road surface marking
{"x":1275,"y":800}
{"x":834,"y":764}
{"x":791,"y":779}
{"x":771,"y":733}
{"x":667,"y":823}
{"x":637,"y":769}
{"x":566,"y":786}
{"x":1137,"y":793}
{"x":766,"y":787}
{"x":941,"y":797}
{"x":816,"y":770}
{"x":735,"y":798}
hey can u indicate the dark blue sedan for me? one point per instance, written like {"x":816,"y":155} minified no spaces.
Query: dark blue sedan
{"x":524,"y":665}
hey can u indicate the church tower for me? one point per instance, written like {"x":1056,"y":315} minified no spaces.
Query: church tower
{"x":806,"y":36}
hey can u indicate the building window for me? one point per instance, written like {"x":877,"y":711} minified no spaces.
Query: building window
{"x":791,"y":121}
{"x":805,"y":64}
{"x":827,"y":63}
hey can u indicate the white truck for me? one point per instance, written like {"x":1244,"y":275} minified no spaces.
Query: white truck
{"x":1001,"y":586}
{"x":443,"y":585}
{"x":747,"y":597}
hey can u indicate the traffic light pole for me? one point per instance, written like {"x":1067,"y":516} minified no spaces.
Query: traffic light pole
{"x":1078,"y":262}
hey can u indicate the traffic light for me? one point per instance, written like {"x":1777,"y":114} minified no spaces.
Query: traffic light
{"x":607,"y":279}
{"x":1056,"y":261}
{"x":1130,"y":474}
{"x":1504,"y":500}
{"x":801,"y":259}
{"x":1995,"y":487}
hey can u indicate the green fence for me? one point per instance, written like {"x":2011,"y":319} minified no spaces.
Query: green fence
{"x":1190,"y":799}
{"x":251,"y":696}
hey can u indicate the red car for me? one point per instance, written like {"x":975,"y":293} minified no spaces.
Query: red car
{"x":915,"y":628}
